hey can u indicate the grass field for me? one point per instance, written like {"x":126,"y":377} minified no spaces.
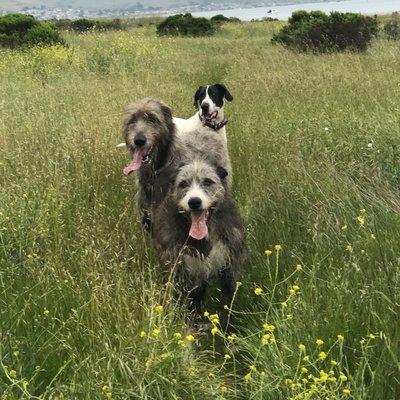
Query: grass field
{"x":315,"y":144}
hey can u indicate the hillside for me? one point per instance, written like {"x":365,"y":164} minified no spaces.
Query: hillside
{"x":100,"y":4}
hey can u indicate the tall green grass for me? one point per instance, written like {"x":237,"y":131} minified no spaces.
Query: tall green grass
{"x":314,"y":142}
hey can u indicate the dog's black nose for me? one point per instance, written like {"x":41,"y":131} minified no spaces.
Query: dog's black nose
{"x":194,"y":203}
{"x":139,"y":140}
{"x":205,"y":107}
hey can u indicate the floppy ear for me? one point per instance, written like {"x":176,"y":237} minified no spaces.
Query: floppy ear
{"x":226,"y":92}
{"x":222,"y":172}
{"x":196,"y":96}
{"x":167,"y":112}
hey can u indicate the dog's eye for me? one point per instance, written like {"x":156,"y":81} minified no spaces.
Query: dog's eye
{"x":208,"y":182}
{"x":183,"y":185}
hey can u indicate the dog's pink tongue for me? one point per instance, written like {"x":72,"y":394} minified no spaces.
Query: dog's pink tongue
{"x":136,"y":161}
{"x":199,"y":228}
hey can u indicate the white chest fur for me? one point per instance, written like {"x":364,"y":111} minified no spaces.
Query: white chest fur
{"x":194,"y":124}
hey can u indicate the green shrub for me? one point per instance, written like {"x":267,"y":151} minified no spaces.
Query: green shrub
{"x":24,"y":30}
{"x":186,"y":25}
{"x":392,"y":28}
{"x":85,"y":25}
{"x":321,"y":33}
{"x":220,"y":19}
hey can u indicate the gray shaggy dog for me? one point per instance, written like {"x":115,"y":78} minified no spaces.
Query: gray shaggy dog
{"x":198,"y":225}
{"x":156,"y":151}
{"x":149,"y":134}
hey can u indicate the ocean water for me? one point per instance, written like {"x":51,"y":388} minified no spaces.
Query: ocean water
{"x":284,"y":12}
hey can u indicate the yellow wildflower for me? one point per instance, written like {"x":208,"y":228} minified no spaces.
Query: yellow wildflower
{"x":278,"y":247}
{"x":344,"y":227}
{"x":349,"y":248}
{"x":340,"y":338}
{"x":371,"y":336}
{"x":306,"y":358}
{"x":227,"y":357}
{"x":142,"y":334}
{"x":346,"y":392}
{"x":319,"y":342}
{"x":159,"y":309}
{"x":361,"y":220}
{"x":214,"y":331}
{"x":302,"y":347}
{"x":322,"y":355}
{"x":190,"y":338}
{"x":267,"y":252}
{"x":299,"y":267}
{"x":373,"y":236}
{"x":304,"y":370}
{"x":269,"y":327}
{"x":12,"y":373}
{"x":363,"y":211}
{"x":333,"y":362}
{"x":343,"y":377}
{"x":156,"y":332}
{"x":214,"y":318}
{"x":178,"y":335}
{"x":247,"y":377}
{"x":231,"y":337}
{"x":206,"y":314}
{"x":265,"y":339}
{"x":258,"y":291}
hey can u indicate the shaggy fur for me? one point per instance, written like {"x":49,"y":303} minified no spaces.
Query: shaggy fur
{"x":220,"y":254}
{"x":151,"y":121}
{"x":207,"y":145}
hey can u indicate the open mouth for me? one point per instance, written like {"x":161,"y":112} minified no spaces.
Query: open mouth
{"x":209,"y":117}
{"x":140,"y":155}
{"x":198,"y":228}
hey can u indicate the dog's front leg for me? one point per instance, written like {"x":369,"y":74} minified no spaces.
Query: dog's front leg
{"x":196,"y":298}
{"x":228,"y":287}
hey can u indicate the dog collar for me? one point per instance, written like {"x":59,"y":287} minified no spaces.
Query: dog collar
{"x":215,"y":127}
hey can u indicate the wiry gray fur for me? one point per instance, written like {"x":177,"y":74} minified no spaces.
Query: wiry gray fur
{"x":221,"y":254}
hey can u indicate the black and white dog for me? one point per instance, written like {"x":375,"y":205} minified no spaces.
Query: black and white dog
{"x":209,"y":100}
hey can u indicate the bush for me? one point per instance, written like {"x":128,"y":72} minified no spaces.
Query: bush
{"x":186,"y":25}
{"x":392,"y":28}
{"x":321,"y":33}
{"x":220,"y":19}
{"x":24,"y":30}
{"x":85,"y":25}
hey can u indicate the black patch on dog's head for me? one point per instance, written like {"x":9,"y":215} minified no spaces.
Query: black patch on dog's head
{"x":217,"y":92}
{"x":200,"y":95}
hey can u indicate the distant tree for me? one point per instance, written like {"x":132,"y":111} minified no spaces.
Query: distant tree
{"x":186,"y":25}
{"x":321,"y":33}
{"x":24,"y":30}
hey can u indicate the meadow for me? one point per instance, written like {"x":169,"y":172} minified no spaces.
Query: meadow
{"x":315,"y":148}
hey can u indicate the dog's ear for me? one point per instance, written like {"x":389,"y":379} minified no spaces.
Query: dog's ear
{"x":196,"y":96}
{"x":167,"y":112}
{"x":225,"y":91}
{"x":221,"y":172}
